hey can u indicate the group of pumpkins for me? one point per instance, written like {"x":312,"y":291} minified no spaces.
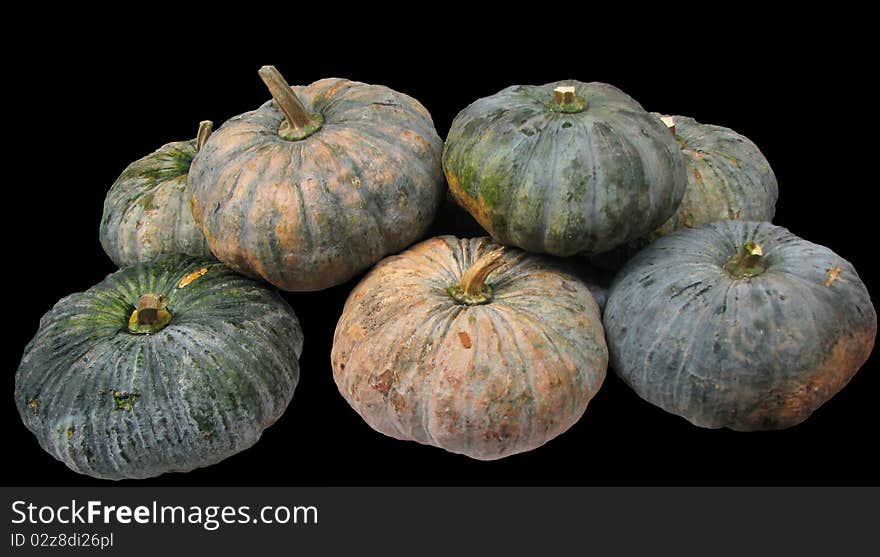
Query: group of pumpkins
{"x":484,"y":347}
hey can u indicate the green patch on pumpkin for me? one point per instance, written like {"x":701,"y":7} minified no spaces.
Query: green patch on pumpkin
{"x":205,"y":425}
{"x":490,"y":192}
{"x":163,"y":166}
{"x":147,"y":202}
{"x":125,"y":401}
{"x":467,"y":180}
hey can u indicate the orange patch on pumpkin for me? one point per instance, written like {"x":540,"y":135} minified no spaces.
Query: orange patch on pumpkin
{"x":191,"y":277}
{"x":398,"y":401}
{"x":382,"y":383}
{"x":833,"y":274}
{"x":333,"y":89}
{"x":470,"y":205}
{"x":465,"y":339}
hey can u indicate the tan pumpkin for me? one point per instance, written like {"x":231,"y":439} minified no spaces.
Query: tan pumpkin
{"x":466,"y":346}
{"x":319,"y":183}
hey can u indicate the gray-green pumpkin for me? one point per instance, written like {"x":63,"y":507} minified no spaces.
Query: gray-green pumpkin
{"x":147,"y":210}
{"x":162,"y":367}
{"x":738,"y":324}
{"x":728,"y":177}
{"x":564,"y":168}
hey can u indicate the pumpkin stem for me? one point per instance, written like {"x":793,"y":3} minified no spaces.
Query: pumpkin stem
{"x":150,"y":316}
{"x":205,"y":129}
{"x":566,"y":99}
{"x":748,"y":262}
{"x":473,"y":290}
{"x":298,"y":123}
{"x":670,"y":123}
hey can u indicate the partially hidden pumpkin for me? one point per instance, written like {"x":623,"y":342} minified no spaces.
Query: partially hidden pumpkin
{"x":462,"y":345}
{"x":597,"y":280}
{"x":319,"y":183}
{"x":147,"y":209}
{"x":728,"y":177}
{"x":162,"y":367}
{"x":563,"y":168}
{"x":738,"y":324}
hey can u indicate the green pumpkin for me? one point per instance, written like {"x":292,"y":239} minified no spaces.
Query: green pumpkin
{"x":563,"y":168}
{"x":728,"y":177}
{"x":738,"y":324}
{"x":147,"y":210}
{"x":319,"y":183}
{"x":162,"y":367}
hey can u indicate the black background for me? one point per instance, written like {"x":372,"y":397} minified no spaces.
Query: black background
{"x":100,"y":100}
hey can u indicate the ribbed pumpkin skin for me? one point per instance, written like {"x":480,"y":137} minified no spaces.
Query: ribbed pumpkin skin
{"x":147,"y":210}
{"x":563,"y":183}
{"x":310,"y":214}
{"x":487,"y":380}
{"x":206,"y":385}
{"x":728,"y":178}
{"x":744,"y":353}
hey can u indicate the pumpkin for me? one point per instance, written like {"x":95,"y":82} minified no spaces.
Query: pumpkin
{"x":162,"y":367}
{"x":738,"y":324}
{"x":728,"y":179}
{"x":319,"y":183}
{"x":462,"y":345}
{"x":563,"y":168}
{"x":147,"y":210}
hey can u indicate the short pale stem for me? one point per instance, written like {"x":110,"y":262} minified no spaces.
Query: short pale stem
{"x":748,"y":262}
{"x":566,"y":99}
{"x":670,"y":123}
{"x":151,"y":315}
{"x":205,"y":129}
{"x":753,"y":253}
{"x":564,"y":94}
{"x":473,"y":282}
{"x":288,"y":102}
{"x":148,"y":309}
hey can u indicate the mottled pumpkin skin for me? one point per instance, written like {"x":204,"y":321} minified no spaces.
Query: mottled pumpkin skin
{"x":563,"y":183}
{"x":728,"y":178}
{"x":486,"y":380}
{"x":744,"y":353}
{"x":147,"y":210}
{"x":310,"y":214}
{"x":116,"y":405}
